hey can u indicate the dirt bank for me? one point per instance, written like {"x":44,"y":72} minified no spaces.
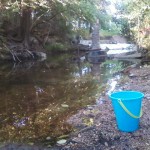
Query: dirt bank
{"x":113,"y":39}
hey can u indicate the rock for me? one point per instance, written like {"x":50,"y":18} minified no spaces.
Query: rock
{"x":147,"y":96}
{"x":106,"y":144}
{"x":132,"y":75}
{"x":96,"y":56}
{"x":39,"y":55}
{"x":90,"y":107}
{"x":83,"y":47}
{"x":112,"y":147}
{"x":48,"y":138}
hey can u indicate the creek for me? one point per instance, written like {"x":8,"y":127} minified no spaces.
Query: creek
{"x":36,"y":98}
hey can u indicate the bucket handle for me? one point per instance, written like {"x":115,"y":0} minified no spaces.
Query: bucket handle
{"x":128,"y":112}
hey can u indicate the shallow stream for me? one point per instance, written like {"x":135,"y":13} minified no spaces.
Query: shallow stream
{"x":36,"y":99}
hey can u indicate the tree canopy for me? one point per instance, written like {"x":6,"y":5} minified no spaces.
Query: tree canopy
{"x":137,"y":16}
{"x":23,"y":20}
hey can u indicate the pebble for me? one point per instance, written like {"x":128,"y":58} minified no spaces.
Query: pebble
{"x":48,"y":138}
{"x":132,"y":75}
{"x":147,"y":96}
{"x":79,"y":135}
{"x":106,"y":144}
{"x":90,"y":107}
{"x":112,"y":146}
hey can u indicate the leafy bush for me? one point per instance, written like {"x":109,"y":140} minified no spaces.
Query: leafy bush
{"x":84,"y":33}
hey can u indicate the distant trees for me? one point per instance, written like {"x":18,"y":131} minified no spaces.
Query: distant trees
{"x":85,"y":10}
{"x":21,"y":18}
{"x":28,"y":20}
{"x":136,"y":17}
{"x":140,"y":18}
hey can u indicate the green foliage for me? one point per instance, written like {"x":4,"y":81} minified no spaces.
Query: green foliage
{"x":105,"y":18}
{"x":84,"y":33}
{"x":114,"y":66}
{"x":121,"y":20}
{"x":124,"y":26}
{"x":138,"y":14}
{"x":56,"y":47}
{"x":105,"y":33}
{"x":89,"y":9}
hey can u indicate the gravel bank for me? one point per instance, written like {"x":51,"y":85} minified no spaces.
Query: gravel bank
{"x":102,"y":133}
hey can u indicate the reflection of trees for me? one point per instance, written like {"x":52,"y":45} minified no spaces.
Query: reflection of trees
{"x":32,"y":112}
{"x":25,"y":120}
{"x":82,"y":69}
{"x":30,"y":116}
{"x":96,"y":71}
{"x":112,"y":67}
{"x":95,"y":68}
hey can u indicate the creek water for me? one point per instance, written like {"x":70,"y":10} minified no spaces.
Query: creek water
{"x":36,"y":98}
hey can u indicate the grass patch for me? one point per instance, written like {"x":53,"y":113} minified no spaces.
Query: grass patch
{"x":106,"y":33}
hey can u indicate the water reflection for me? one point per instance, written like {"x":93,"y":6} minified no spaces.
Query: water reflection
{"x":32,"y":98}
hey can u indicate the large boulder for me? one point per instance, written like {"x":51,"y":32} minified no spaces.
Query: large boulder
{"x":96,"y":56}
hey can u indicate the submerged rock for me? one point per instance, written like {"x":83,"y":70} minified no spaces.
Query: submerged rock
{"x":96,"y":56}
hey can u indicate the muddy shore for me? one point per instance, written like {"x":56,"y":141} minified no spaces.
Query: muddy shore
{"x":95,"y":126}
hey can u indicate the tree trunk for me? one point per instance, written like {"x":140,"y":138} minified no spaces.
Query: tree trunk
{"x":25,"y":26}
{"x":96,"y":36}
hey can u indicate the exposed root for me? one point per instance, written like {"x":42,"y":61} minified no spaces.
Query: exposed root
{"x":29,"y":53}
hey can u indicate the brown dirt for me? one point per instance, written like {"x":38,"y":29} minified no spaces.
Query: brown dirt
{"x":119,"y":39}
{"x":113,"y":39}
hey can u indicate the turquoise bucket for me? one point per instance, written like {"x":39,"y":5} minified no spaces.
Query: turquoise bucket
{"x":128,"y":109}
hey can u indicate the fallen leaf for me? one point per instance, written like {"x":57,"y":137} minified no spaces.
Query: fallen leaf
{"x":61,"y":142}
{"x":65,"y":105}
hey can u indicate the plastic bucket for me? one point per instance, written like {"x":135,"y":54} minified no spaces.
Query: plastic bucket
{"x":128,"y":109}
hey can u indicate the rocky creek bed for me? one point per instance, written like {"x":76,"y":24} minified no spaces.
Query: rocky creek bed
{"x":95,"y":126}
